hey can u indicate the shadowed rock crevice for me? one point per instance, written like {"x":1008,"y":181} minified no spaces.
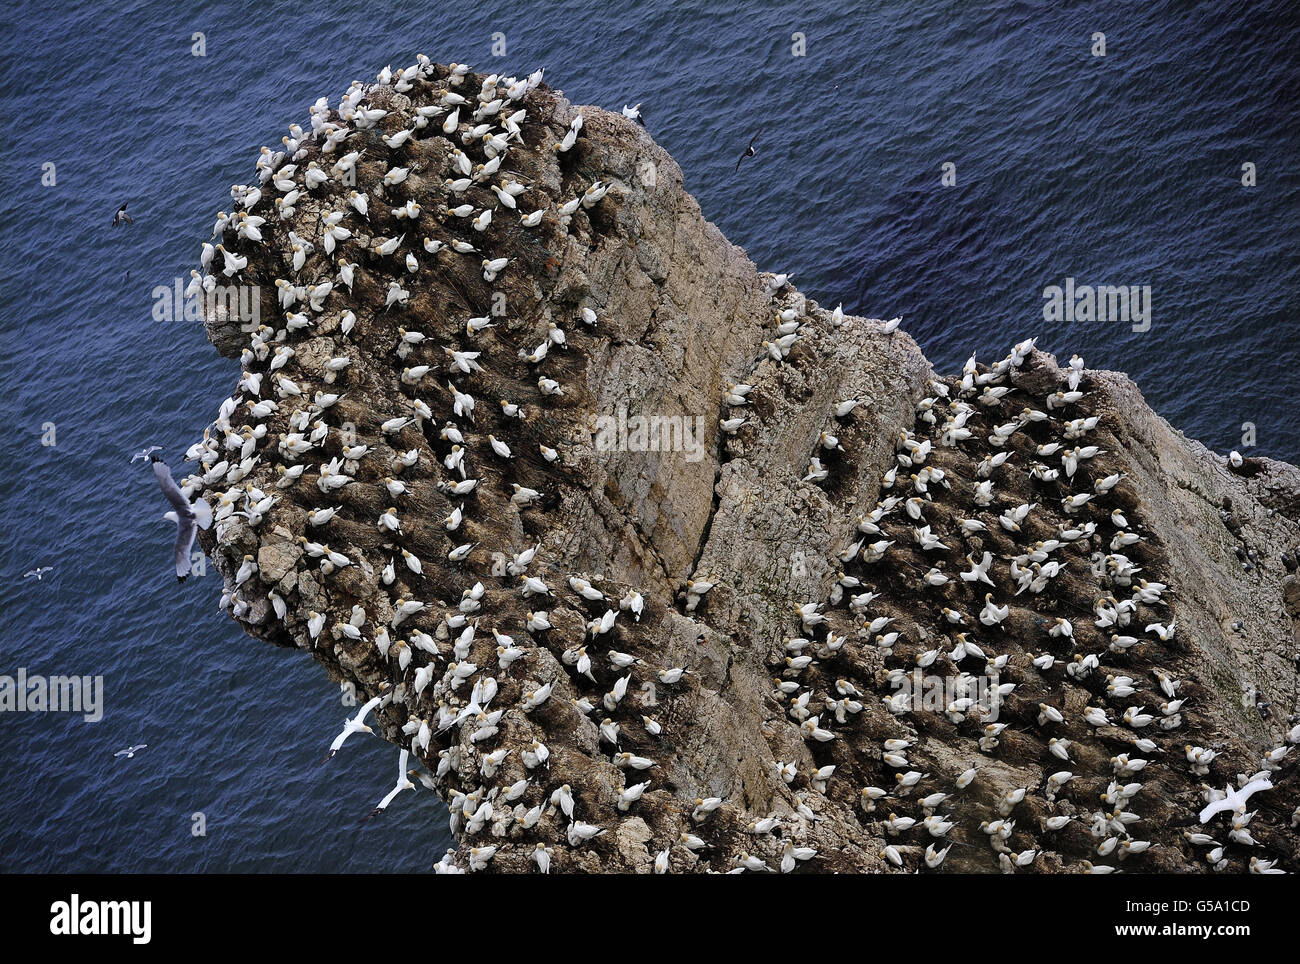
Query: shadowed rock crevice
{"x":786,"y":742}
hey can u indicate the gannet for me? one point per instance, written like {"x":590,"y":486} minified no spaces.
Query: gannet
{"x":1234,"y":800}
{"x":355,"y":724}
{"x":978,"y":571}
{"x":403,"y":783}
{"x":845,"y":408}
{"x":233,"y":263}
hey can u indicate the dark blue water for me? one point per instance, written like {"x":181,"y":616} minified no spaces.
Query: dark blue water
{"x":1123,"y":169}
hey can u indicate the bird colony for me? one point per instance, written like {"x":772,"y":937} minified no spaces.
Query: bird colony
{"x":381,"y":483}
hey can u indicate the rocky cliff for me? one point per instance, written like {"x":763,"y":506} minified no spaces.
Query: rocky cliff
{"x":1009,"y":610}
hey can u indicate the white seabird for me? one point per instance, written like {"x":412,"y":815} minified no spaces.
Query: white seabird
{"x":1235,"y":799}
{"x":144,"y":453}
{"x":403,"y":783}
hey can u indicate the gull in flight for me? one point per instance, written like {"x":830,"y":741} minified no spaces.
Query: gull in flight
{"x":1235,"y":799}
{"x":145,"y":453}
{"x":186,"y":516}
{"x":403,"y":783}
{"x":131,"y":751}
{"x":749,"y":151}
{"x":39,"y":572}
{"x":121,"y":216}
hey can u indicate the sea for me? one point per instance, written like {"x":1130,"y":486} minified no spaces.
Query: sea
{"x":947,"y":162}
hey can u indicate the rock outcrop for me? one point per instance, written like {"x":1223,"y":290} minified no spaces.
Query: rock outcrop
{"x":796,"y":738}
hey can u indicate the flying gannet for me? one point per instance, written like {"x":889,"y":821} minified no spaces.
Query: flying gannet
{"x":403,"y":783}
{"x":1234,"y":799}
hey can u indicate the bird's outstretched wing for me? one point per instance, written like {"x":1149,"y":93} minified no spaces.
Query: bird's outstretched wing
{"x":1218,"y":806}
{"x":171,"y":490}
{"x":383,"y":804}
{"x":144,"y":453}
{"x":181,"y":551}
{"x":185,"y":519}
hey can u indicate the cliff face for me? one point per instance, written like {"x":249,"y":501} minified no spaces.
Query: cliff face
{"x":780,"y":713}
